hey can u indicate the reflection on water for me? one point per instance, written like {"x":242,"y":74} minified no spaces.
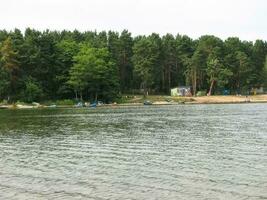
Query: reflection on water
{"x":169,"y":152}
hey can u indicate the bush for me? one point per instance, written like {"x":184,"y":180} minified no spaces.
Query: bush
{"x":201,"y":93}
{"x":4,"y":102}
{"x":65,"y":102}
{"x":33,"y":91}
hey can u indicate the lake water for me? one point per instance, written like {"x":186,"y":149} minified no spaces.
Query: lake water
{"x":153,"y":152}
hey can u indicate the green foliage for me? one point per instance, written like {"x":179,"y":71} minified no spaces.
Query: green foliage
{"x":9,"y":67}
{"x":33,"y":91}
{"x":201,"y":93}
{"x":146,"y":55}
{"x":4,"y":83}
{"x":65,"y":51}
{"x":37,"y":65}
{"x":217,"y":73}
{"x":94,"y":72}
{"x":65,"y":102}
{"x":264,"y":74}
{"x":245,"y":71}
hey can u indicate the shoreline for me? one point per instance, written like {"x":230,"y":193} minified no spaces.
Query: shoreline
{"x":159,"y":101}
{"x":131,"y":105}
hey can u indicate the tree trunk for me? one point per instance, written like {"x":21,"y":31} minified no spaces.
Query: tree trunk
{"x":145,"y":90}
{"x":163,"y":80}
{"x":76,"y":95}
{"x":81,"y":96}
{"x":96,"y":96}
{"x":211,"y":87}
{"x":194,"y":82}
{"x":169,"y":78}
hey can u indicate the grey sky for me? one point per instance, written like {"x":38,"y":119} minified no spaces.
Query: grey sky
{"x":246,"y":19}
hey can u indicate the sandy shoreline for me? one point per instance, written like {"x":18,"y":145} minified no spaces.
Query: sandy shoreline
{"x":158,"y":101}
{"x":229,"y":99}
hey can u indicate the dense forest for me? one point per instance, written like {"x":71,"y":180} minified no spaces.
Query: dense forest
{"x":49,"y":65}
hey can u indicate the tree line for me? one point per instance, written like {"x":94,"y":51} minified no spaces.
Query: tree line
{"x":49,"y":65}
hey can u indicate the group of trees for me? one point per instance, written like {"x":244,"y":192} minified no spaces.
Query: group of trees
{"x":92,"y":65}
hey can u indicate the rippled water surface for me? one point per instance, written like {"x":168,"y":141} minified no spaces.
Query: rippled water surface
{"x":161,"y":152}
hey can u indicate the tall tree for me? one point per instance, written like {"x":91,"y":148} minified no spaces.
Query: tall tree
{"x":217,"y":73}
{"x":42,"y":63}
{"x":185,"y":49}
{"x":9,"y":68}
{"x":145,"y":60}
{"x":65,"y":51}
{"x":95,"y":73}
{"x":124,"y":61}
{"x":259,"y":52}
{"x":207,"y":46}
{"x":244,"y":70}
{"x":195,"y":70}
{"x":170,"y":62}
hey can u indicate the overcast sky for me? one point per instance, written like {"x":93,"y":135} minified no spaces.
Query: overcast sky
{"x":246,"y":19}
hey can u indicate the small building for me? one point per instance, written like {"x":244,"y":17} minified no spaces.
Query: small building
{"x":181,"y":91}
{"x":257,"y":90}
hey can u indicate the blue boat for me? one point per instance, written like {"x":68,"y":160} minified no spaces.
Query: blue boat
{"x":93,"y":105}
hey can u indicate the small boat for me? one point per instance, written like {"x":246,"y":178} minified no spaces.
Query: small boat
{"x":79,"y":105}
{"x":52,"y":106}
{"x":96,"y":104}
{"x":147,"y":103}
{"x":93,"y":105}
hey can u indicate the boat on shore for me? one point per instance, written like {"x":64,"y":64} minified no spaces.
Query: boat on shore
{"x":4,"y":107}
{"x":148,"y":103}
{"x":79,"y":105}
{"x":93,"y":105}
{"x":52,"y":106}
